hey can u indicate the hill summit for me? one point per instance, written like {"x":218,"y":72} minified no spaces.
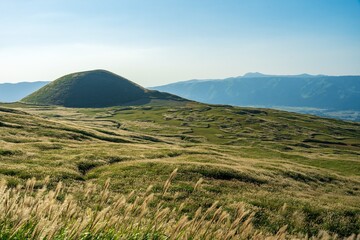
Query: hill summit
{"x":97,"y":88}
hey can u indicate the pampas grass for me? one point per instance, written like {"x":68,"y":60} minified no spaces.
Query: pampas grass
{"x":96,"y":213}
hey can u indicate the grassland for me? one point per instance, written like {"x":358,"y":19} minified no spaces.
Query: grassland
{"x":285,"y":168}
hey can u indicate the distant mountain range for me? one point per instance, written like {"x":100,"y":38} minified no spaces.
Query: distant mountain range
{"x":12,"y":92}
{"x":329,"y":96}
{"x":332,"y":96}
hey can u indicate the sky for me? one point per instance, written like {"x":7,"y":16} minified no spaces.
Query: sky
{"x":154,"y":42}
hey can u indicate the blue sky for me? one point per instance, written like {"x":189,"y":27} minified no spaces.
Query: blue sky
{"x":154,"y":42}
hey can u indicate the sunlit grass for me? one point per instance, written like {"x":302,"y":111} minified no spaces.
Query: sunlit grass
{"x":34,"y":211}
{"x":260,"y":160}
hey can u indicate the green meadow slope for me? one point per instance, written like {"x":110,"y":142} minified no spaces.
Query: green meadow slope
{"x":97,"y":88}
{"x":288,"y":169}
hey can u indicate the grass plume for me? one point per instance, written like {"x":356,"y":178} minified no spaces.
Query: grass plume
{"x":96,"y":213}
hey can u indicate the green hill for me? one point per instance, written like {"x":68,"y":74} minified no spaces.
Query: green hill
{"x":98,"y":88}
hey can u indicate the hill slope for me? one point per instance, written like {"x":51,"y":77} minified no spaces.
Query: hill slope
{"x":255,"y":89}
{"x":290,"y":169}
{"x":12,"y":92}
{"x":98,"y":88}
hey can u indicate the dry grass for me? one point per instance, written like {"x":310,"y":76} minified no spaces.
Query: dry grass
{"x":96,"y":213}
{"x":309,"y":186}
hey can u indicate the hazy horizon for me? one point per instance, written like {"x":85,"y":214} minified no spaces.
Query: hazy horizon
{"x":159,"y":42}
{"x":193,"y":79}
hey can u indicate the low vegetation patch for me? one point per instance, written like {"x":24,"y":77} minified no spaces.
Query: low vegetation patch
{"x":226,"y":174}
{"x":5,"y":152}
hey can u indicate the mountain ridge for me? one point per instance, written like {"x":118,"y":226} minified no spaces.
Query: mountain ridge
{"x":12,"y":92}
{"x":320,"y":91}
{"x":320,"y":95}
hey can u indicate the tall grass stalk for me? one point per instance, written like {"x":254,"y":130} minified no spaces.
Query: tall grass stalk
{"x":30,"y":213}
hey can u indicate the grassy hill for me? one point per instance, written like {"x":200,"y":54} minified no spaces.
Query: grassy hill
{"x":283,"y":168}
{"x":98,"y":88}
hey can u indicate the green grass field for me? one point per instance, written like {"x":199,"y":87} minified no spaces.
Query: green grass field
{"x":285,"y":168}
